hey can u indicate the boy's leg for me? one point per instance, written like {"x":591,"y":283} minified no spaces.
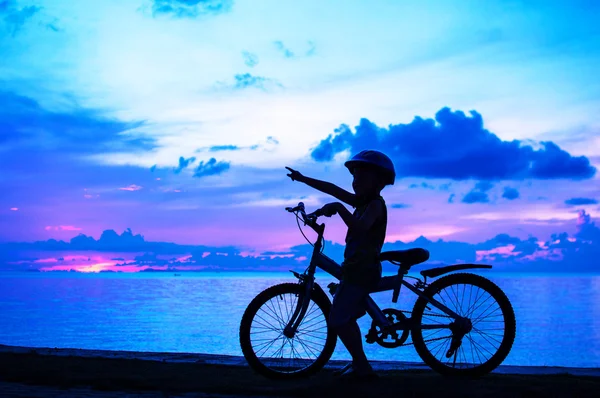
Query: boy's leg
{"x":352,"y":339}
{"x":348,"y":305}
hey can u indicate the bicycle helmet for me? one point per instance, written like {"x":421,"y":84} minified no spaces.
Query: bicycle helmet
{"x":376,"y":159}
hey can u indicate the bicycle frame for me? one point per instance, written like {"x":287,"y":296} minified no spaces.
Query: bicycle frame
{"x":387,"y":283}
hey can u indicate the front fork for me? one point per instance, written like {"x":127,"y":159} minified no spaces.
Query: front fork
{"x":308,"y":282}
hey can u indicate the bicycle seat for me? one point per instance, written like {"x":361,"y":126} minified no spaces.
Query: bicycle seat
{"x":405,"y":257}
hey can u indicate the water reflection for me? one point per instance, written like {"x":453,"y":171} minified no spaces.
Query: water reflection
{"x":558,"y":317}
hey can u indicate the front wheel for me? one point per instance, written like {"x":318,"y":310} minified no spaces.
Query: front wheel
{"x":489,"y":338}
{"x":274,"y":355}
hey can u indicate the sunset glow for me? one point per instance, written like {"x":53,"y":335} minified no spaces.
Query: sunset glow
{"x":175,"y":137}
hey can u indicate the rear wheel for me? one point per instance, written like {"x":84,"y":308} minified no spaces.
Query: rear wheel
{"x":274,"y":355}
{"x":492,"y":321}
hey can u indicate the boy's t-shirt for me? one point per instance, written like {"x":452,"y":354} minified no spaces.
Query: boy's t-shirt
{"x":361,"y":263}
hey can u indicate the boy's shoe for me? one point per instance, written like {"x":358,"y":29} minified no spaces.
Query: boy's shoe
{"x":343,"y":370}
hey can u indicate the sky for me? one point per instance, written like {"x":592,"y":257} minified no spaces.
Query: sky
{"x":170,"y":122}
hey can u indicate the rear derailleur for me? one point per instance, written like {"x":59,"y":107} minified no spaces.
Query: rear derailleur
{"x":459,"y":329}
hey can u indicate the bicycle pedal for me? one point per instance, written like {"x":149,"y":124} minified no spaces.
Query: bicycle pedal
{"x":371,"y":337}
{"x":333,"y":288}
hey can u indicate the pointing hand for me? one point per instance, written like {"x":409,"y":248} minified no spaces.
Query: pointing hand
{"x":294,"y":174}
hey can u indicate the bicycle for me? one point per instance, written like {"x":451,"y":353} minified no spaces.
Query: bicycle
{"x":284,"y":330}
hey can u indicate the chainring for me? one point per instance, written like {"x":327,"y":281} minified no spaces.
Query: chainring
{"x":393,"y":338}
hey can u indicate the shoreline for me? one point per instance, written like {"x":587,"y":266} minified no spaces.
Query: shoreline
{"x":239,"y":361}
{"x":66,"y":372}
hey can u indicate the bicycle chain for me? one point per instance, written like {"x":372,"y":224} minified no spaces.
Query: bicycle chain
{"x":426,"y":341}
{"x":441,"y":316}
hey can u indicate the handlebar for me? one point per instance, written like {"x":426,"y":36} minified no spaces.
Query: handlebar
{"x":308,"y":219}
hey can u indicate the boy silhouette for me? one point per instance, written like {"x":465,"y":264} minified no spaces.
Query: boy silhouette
{"x":361,"y":268}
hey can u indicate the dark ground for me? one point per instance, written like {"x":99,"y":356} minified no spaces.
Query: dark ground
{"x":32,"y":374}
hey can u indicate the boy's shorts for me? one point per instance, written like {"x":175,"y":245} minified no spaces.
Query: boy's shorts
{"x":349,"y":304}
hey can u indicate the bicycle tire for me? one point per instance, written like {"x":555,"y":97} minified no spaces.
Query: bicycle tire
{"x":508,"y":316}
{"x":319,"y":298}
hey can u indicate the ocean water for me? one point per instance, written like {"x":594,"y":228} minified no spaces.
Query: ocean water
{"x":558,"y":316}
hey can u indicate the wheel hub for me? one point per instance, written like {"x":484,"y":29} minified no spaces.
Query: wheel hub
{"x":289,"y":332}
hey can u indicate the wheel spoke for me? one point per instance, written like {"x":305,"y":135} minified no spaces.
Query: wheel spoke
{"x":315,"y":323}
{"x":266,"y":348}
{"x":457,"y":303}
{"x":307,"y":348}
{"x":475,"y":344}
{"x":471,"y":306}
{"x":283,"y":318}
{"x":273,"y":316}
{"x":486,"y":339}
{"x":278,"y":316}
{"x":265,"y":324}
{"x":479,"y":306}
{"x":475,"y":320}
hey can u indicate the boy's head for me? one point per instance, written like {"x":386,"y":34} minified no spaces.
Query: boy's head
{"x":372,"y":171}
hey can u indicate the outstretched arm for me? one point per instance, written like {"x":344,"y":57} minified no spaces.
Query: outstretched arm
{"x":331,"y":189}
{"x":325,"y":187}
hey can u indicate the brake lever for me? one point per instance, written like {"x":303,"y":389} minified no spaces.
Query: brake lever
{"x":297,"y":208}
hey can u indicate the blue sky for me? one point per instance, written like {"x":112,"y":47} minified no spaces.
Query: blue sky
{"x":176,"y":117}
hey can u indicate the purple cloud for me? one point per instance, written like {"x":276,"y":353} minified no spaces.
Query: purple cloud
{"x":562,"y":253}
{"x":580,"y":201}
{"x":586,"y":229}
{"x":455,"y":146}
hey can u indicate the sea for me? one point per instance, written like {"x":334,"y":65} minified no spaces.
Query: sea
{"x":558,"y":315}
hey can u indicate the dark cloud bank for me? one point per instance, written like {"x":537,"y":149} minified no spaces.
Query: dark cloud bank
{"x":457,"y":147}
{"x":562,"y":253}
